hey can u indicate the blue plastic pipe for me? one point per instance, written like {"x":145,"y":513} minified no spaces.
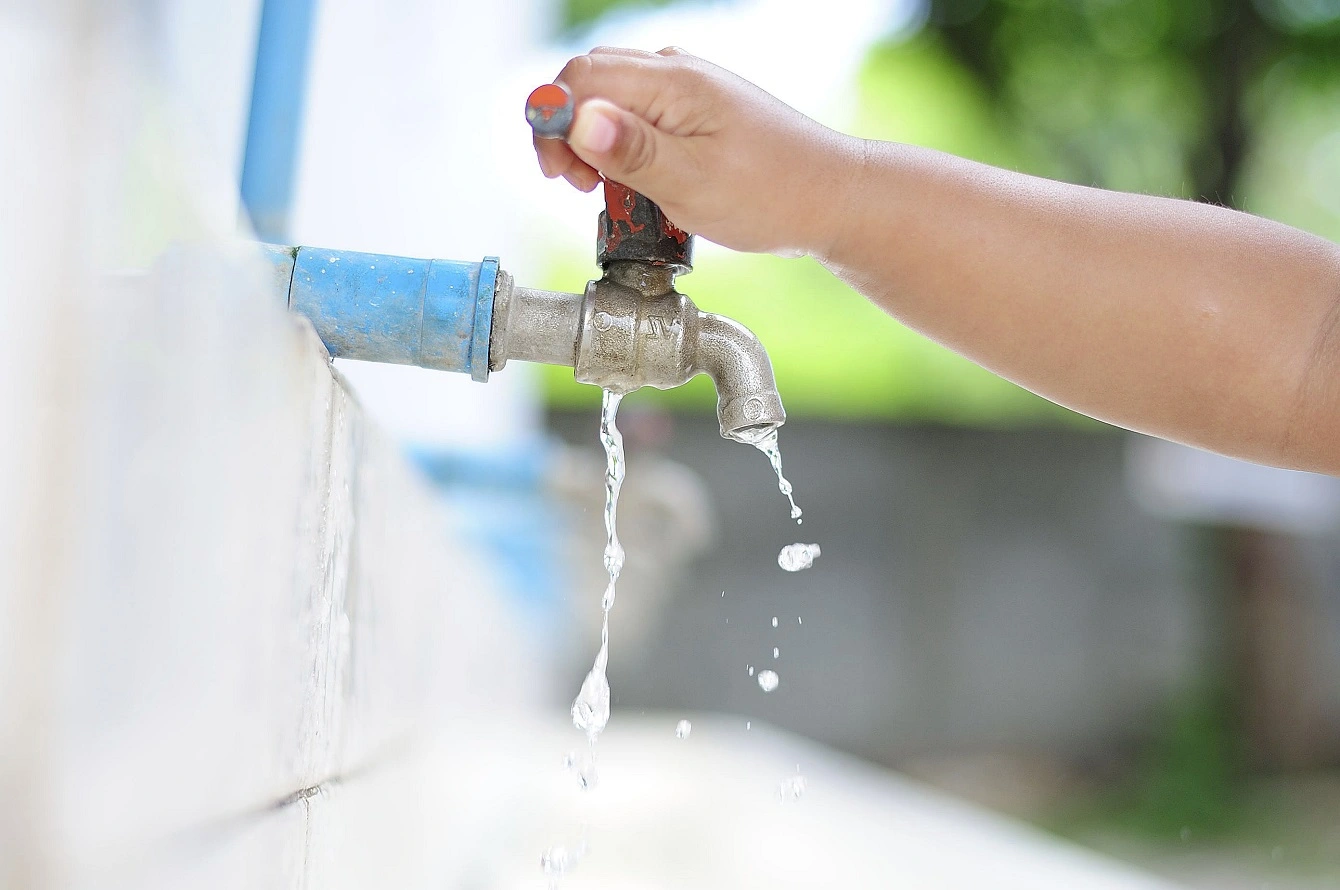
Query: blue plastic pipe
{"x":377,"y":308}
{"x":273,"y":129}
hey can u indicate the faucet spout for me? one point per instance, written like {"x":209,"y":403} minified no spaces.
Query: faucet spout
{"x":748,"y":404}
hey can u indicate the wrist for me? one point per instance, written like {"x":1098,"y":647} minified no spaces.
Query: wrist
{"x":833,"y":205}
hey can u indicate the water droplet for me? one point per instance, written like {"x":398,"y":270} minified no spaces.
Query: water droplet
{"x":583,"y":767}
{"x":791,"y":788}
{"x":798,"y":621}
{"x":747,"y":724}
{"x":774,"y":620}
{"x":768,"y":680}
{"x":750,"y":669}
{"x":776,"y":652}
{"x":795,"y":557}
{"x":555,"y":862}
{"x":682,"y":729}
{"x":591,"y":708}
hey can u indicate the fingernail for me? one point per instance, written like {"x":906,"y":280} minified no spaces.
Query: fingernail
{"x":594,"y":132}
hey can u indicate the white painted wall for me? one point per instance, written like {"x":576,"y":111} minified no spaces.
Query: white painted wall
{"x":222,"y":588}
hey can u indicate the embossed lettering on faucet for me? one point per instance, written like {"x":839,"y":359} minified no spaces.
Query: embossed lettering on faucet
{"x":663,"y":328}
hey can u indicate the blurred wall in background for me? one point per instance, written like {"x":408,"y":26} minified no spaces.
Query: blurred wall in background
{"x":229,"y":609}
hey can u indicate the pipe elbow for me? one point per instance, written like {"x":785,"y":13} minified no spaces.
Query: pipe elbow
{"x":748,"y":404}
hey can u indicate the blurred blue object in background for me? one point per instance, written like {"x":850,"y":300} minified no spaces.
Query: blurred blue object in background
{"x":275,"y":124}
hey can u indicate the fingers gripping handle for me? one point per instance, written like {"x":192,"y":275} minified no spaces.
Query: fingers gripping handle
{"x":632,"y":226}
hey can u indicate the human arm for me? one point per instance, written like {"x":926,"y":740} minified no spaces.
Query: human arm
{"x":1183,"y":320}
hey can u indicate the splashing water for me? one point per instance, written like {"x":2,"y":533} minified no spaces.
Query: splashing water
{"x":591,"y":708}
{"x":583,"y":767}
{"x":682,"y":729}
{"x":766,"y":441}
{"x":768,"y":680}
{"x":557,"y":861}
{"x":791,"y":788}
{"x":795,"y":557}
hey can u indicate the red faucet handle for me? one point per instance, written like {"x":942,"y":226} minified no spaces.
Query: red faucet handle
{"x":549,"y":111}
{"x":633,"y":227}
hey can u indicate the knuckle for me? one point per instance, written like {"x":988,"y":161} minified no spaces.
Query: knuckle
{"x":672,"y":51}
{"x":575,"y":72}
{"x":687,"y":73}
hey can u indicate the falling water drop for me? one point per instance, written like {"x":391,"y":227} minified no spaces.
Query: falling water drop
{"x":768,"y":680}
{"x":795,"y":557}
{"x":583,"y":766}
{"x":682,"y":729}
{"x":791,"y":788}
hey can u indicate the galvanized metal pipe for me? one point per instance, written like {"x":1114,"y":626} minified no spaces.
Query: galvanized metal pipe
{"x":534,"y":325}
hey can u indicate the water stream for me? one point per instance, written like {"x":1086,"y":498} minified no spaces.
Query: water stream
{"x":591,"y":708}
{"x":766,"y":441}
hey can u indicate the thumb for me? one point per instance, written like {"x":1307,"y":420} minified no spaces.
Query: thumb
{"x":623,"y":146}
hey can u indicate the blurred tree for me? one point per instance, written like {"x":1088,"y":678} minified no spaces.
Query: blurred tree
{"x":577,"y":14}
{"x":1144,"y":95}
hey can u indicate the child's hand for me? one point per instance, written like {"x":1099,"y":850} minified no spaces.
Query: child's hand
{"x":722,"y":158}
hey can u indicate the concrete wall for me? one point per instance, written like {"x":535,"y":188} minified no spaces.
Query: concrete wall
{"x":229,"y":610}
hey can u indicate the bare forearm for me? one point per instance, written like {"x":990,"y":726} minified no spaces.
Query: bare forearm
{"x":1183,"y":320}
